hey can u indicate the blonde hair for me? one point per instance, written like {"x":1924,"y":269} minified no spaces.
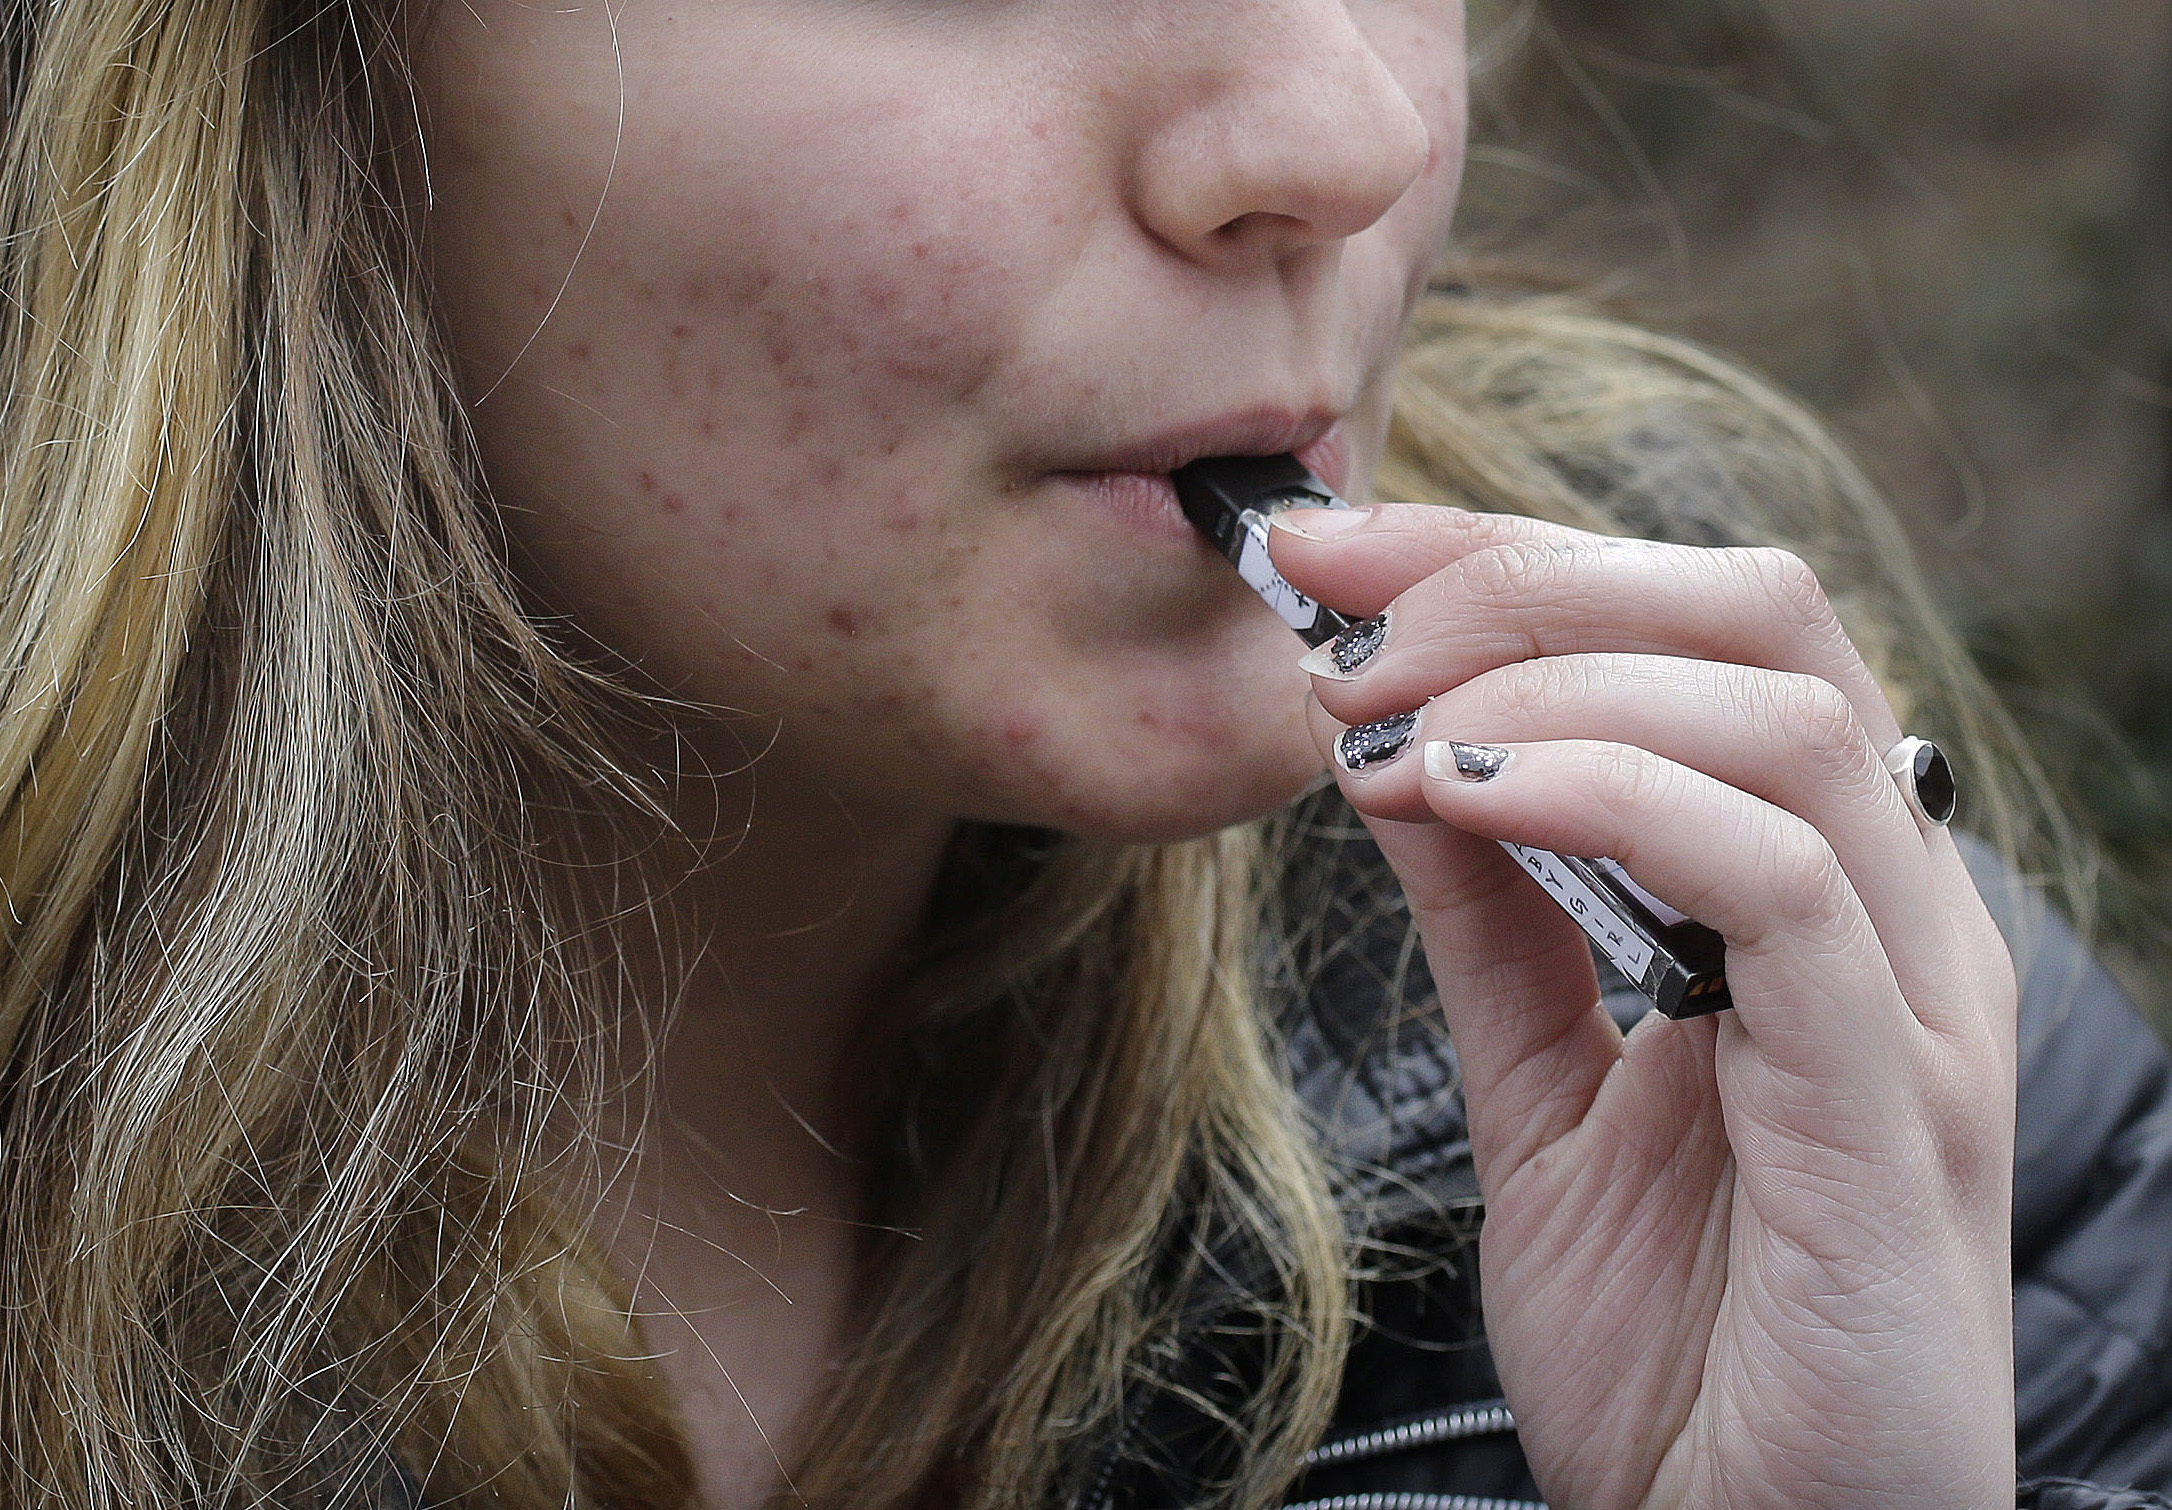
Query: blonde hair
{"x":295,"y":993}
{"x":296,"y":999}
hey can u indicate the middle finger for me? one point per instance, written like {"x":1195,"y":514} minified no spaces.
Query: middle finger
{"x":1788,"y":739}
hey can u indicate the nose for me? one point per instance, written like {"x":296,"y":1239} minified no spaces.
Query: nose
{"x":1280,"y":129}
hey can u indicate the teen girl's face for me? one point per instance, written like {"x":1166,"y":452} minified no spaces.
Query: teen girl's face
{"x":829,"y":357}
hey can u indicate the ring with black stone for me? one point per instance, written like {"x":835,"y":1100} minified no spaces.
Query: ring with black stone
{"x":1926,"y":781}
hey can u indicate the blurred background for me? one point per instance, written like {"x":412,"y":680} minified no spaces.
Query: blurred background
{"x":1947,"y":225}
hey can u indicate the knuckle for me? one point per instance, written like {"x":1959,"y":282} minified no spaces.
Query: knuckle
{"x":1805,"y":878}
{"x":1966,"y":1101}
{"x":1627,"y":781}
{"x":1480,"y":531}
{"x":1587,"y":678}
{"x":1537,"y":689}
{"x":1819,"y":727}
{"x":1511,"y":574}
{"x":1788,"y":584}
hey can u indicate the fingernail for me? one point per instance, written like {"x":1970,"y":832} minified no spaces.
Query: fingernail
{"x":1446,"y":760}
{"x":1375,"y":744}
{"x":1345,"y":655}
{"x":1320,"y":524}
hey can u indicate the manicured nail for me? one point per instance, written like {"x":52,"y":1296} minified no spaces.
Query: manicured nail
{"x":1375,"y":744}
{"x":1345,"y":655}
{"x":1320,"y":524}
{"x":1446,"y":760}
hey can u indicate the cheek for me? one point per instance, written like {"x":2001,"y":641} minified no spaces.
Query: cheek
{"x":716,"y":317}
{"x":770,"y":258}
{"x":742,"y":395}
{"x":834,"y":334}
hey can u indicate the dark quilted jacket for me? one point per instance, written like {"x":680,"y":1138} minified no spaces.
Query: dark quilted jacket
{"x":1422,"y":1425}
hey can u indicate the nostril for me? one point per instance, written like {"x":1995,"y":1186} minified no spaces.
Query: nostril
{"x":1258,"y":225}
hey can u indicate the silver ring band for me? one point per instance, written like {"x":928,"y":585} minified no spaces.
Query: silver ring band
{"x":1925,"y":778}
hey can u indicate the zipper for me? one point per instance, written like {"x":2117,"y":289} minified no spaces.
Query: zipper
{"x":1408,"y":1501}
{"x":1486,"y":1418}
{"x":1483,"y":1419}
{"x":1103,"y":1490}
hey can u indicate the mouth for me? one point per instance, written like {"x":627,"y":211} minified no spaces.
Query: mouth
{"x":1265,"y":431}
{"x":1133,"y":480}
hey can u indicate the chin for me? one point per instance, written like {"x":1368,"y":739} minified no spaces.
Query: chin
{"x":1183,"y":737}
{"x":1166,"y":802}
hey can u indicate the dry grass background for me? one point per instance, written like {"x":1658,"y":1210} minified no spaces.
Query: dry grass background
{"x":1948,"y":225}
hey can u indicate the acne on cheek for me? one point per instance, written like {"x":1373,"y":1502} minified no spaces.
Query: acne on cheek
{"x":1020,"y":731}
{"x":807,"y":351}
{"x":886,"y":294}
{"x":849,"y":621}
{"x":790,"y":372}
{"x":1010,"y":754}
{"x":672,"y":502}
{"x":914,"y":329}
{"x":827,"y":383}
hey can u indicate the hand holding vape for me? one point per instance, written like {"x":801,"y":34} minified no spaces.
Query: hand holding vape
{"x":1676,"y":961}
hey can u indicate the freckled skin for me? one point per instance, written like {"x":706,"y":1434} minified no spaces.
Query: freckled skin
{"x":831,"y":328}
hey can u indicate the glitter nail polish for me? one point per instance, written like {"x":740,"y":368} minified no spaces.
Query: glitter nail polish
{"x":1346,"y":654}
{"x":1375,"y":743}
{"x":1451,"y":759}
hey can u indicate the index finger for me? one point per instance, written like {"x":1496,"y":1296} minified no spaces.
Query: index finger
{"x":1375,"y":554}
{"x":1494,"y":588}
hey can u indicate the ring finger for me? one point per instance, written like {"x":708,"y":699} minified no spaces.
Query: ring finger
{"x":1789,"y":740}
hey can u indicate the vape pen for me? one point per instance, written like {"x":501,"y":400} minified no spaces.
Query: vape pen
{"x":1676,"y":961}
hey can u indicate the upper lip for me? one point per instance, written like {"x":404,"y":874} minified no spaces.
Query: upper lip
{"x":1263,"y":431}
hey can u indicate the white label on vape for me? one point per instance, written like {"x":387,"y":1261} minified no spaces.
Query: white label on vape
{"x":1627,"y":882}
{"x":1258,"y":569}
{"x":1623,"y":945}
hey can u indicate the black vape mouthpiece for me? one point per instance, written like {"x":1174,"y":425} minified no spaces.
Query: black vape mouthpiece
{"x":1229,"y":499}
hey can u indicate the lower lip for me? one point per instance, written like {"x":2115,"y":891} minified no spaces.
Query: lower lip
{"x":1144,"y":501}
